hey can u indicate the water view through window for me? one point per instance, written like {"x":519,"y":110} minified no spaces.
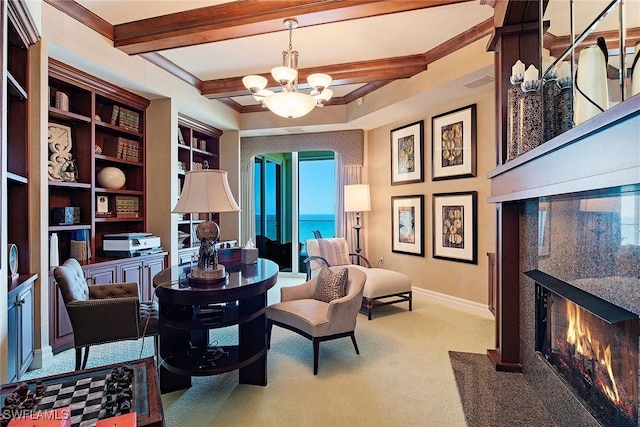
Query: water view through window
{"x":317,"y":199}
{"x":275,"y":216}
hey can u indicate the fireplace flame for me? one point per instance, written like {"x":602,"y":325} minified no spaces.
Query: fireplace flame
{"x":579,"y":335}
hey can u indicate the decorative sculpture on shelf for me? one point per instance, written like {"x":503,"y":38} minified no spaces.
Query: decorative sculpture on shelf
{"x":59,"y":138}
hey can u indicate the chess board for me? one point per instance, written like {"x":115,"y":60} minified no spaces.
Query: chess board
{"x":85,"y":396}
{"x":87,"y":393}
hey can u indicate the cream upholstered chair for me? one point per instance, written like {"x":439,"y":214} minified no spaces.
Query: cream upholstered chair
{"x":103,"y":313}
{"x":318,"y":320}
{"x":383,"y":286}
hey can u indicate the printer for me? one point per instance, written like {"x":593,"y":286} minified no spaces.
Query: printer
{"x":130,"y":244}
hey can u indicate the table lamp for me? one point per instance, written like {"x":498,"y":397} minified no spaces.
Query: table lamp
{"x":207,"y":191}
{"x":356,"y":199}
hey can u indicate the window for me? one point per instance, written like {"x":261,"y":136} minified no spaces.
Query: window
{"x":294,"y":196}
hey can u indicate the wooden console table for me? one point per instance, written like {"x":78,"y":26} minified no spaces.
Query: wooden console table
{"x":187,"y":314}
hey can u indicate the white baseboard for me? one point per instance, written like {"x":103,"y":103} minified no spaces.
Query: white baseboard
{"x":42,"y":357}
{"x":456,"y":303}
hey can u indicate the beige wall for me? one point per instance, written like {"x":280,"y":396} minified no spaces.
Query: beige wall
{"x":457,"y":279}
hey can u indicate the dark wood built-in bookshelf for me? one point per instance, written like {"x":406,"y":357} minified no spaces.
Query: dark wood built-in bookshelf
{"x":107,"y":128}
{"x":197,"y":143}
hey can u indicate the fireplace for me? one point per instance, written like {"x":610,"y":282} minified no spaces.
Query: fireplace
{"x":593,"y":345}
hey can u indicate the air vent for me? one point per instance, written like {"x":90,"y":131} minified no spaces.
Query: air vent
{"x":479,"y":82}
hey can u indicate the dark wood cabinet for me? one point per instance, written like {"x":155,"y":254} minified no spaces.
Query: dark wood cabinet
{"x":142,"y":271}
{"x":20,"y":322}
{"x":18,"y":34}
{"x":101,"y":274}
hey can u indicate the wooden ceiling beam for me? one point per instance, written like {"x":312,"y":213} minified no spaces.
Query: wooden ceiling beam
{"x":381,"y":70}
{"x":342,"y":74}
{"x":248,"y":18}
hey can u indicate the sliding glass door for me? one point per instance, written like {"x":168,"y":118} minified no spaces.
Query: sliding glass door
{"x":294,"y":202}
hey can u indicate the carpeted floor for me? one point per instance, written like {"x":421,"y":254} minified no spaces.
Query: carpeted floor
{"x":492,"y":398}
{"x":402,"y":377}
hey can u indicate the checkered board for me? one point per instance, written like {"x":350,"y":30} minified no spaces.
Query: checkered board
{"x":85,"y":396}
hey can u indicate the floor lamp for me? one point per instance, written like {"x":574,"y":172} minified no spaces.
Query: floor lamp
{"x":356,"y":199}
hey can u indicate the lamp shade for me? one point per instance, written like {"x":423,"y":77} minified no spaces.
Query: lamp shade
{"x":290,"y":104}
{"x":356,"y":198}
{"x":254,"y":83}
{"x":206,"y":191}
{"x":319,"y":81}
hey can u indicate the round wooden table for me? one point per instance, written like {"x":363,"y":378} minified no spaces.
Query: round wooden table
{"x":188,"y":313}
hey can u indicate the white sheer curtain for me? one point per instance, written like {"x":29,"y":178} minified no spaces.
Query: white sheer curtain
{"x":247,"y":203}
{"x":350,"y":174}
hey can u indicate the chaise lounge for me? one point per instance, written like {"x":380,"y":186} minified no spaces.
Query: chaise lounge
{"x":382,"y":287}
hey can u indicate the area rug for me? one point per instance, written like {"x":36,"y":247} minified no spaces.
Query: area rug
{"x":492,"y":398}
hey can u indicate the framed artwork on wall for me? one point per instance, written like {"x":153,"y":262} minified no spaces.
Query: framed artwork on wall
{"x":407,"y":223}
{"x":453,"y":144}
{"x":455,"y":231}
{"x":407,"y":146}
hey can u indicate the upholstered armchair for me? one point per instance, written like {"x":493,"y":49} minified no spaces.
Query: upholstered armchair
{"x":315,"y":319}
{"x":383,"y":286}
{"x":102,"y":313}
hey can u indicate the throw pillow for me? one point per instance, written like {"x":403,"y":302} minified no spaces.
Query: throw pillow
{"x":331,"y":285}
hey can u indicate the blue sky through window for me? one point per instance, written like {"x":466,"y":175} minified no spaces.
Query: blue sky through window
{"x":317,"y":187}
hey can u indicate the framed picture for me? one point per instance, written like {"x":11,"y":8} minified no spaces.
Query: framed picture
{"x":453,"y":144}
{"x":407,"y":145}
{"x":407,"y":224}
{"x":455,"y":231}
{"x":102,"y":205}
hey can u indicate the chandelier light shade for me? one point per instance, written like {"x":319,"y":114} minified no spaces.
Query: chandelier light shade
{"x":207,"y":191}
{"x":289,"y":102}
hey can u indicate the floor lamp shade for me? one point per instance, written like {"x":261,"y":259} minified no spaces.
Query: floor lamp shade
{"x":356,"y":198}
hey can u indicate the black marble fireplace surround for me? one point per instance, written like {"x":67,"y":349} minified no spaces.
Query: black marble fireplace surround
{"x":582,"y":248}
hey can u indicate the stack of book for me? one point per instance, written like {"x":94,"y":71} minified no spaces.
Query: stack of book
{"x":121,"y":148}
{"x":129,"y":119}
{"x":127,"y":207}
{"x":120,"y":116}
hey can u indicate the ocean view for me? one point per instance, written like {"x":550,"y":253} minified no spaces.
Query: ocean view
{"x":308,"y":223}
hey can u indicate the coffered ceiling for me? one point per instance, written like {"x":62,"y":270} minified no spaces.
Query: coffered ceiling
{"x":212,"y":44}
{"x":363,"y":44}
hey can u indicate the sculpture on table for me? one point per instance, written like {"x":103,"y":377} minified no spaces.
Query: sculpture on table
{"x":208,"y":254}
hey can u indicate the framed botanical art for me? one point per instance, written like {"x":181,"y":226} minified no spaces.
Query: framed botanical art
{"x":407,"y":146}
{"x":455,"y":226}
{"x":453,"y":144}
{"x":407,"y":224}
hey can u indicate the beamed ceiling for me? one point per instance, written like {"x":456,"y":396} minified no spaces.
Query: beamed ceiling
{"x":363,"y":45}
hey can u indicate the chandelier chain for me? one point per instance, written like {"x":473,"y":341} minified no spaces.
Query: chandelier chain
{"x":290,"y":34}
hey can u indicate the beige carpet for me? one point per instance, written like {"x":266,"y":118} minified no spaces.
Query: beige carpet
{"x":402,"y":377}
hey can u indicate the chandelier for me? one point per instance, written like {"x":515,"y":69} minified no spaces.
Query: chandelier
{"x":289,"y":102}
